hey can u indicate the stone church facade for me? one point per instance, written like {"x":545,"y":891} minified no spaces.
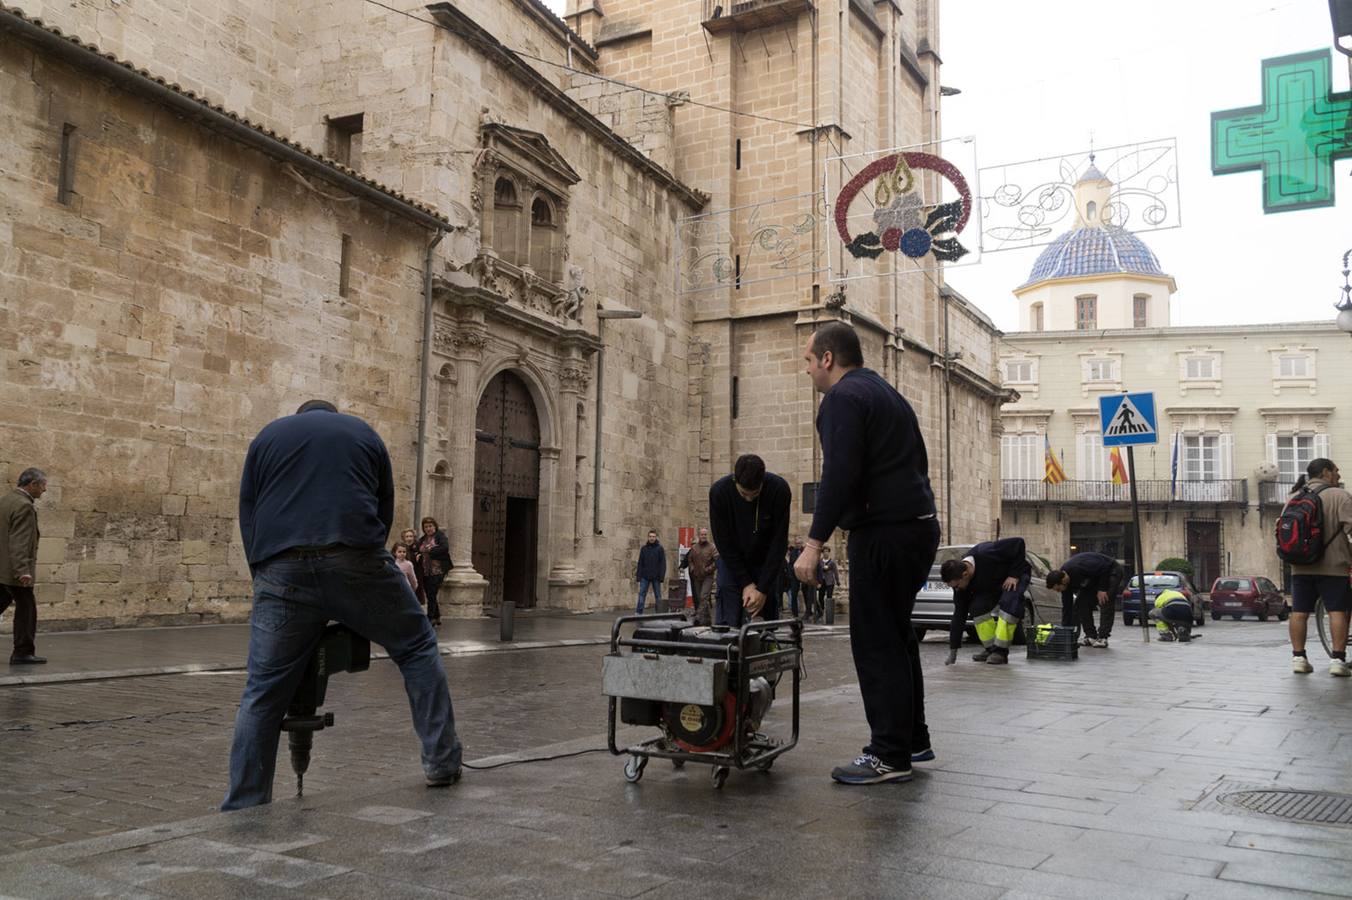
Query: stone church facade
{"x":214,"y":214}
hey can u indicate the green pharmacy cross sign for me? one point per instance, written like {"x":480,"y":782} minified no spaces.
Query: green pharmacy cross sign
{"x":1293,"y":137}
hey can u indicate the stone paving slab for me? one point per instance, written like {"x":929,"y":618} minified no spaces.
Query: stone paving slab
{"x":1036,"y":792}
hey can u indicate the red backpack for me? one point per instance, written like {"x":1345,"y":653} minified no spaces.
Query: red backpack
{"x":1300,"y":529}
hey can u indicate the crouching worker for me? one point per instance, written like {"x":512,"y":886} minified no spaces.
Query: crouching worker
{"x":989,"y":583}
{"x":1173,"y":616}
{"x":1088,"y":580}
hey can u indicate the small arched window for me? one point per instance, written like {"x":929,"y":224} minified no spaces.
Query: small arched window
{"x":506,"y":237}
{"x":504,"y":193}
{"x":1090,"y":211}
{"x":544,"y":240}
{"x":541,"y":214}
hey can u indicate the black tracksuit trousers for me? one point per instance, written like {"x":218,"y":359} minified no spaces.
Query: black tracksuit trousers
{"x":888,"y":566}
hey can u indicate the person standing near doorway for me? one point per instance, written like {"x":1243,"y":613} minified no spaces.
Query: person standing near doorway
{"x":749,"y":517}
{"x":794,"y":586}
{"x":828,"y":575}
{"x":1327,"y":578}
{"x":651,"y":570}
{"x":409,"y":538}
{"x":701,"y":561}
{"x":874,"y":484}
{"x":18,"y":558}
{"x":434,"y":554}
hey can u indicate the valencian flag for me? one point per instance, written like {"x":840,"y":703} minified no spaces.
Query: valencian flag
{"x":1119,"y":470}
{"x":1054,"y":473}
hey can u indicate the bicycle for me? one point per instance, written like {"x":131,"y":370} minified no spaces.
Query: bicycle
{"x":1321,"y":621}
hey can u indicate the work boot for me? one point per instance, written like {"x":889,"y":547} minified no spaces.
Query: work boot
{"x":982,"y":655}
{"x":998,"y":658}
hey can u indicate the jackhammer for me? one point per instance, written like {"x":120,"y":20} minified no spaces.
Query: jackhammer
{"x":340,"y":650}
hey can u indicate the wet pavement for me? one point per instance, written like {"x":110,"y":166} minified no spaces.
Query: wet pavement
{"x":133,"y":652}
{"x":1112,"y":776}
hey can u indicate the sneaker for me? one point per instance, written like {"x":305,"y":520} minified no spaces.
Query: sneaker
{"x":982,"y":655}
{"x":869,"y":769}
{"x":1166,"y":635}
{"x":443,"y":780}
{"x":1086,"y":641}
{"x":1301,"y":666}
{"x":926,"y":755}
{"x":1339,"y":668}
{"x":1101,"y":644}
{"x":998,"y":659}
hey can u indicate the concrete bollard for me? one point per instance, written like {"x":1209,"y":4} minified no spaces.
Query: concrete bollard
{"x":506,"y":620}
{"x":830,"y":611}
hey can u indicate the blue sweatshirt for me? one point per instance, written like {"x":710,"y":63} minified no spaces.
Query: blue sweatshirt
{"x":312,"y":479}
{"x":874,"y":467}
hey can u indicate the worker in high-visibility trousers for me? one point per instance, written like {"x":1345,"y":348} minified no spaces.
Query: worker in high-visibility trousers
{"x":1173,"y":616}
{"x":989,"y":582}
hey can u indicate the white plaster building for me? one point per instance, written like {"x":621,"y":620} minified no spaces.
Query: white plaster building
{"x":1246,"y":406}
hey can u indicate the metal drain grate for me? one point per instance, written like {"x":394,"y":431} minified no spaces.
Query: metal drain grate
{"x":1297,"y":806}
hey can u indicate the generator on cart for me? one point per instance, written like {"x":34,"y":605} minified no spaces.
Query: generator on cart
{"x":706,"y":690}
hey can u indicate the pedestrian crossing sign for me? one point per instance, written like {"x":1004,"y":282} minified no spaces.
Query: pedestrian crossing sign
{"x":1128,"y":419}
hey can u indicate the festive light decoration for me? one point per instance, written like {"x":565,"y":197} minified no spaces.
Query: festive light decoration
{"x":903,"y":222}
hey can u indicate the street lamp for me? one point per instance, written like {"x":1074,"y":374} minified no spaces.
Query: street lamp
{"x":1344,"y":304}
{"x":601,"y":316}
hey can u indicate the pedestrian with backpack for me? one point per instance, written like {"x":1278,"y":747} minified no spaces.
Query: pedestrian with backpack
{"x":1313,"y":536}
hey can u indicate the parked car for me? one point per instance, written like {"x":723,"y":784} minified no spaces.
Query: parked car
{"x":1247,"y":595}
{"x":1157,"y":583}
{"x":934,"y":603}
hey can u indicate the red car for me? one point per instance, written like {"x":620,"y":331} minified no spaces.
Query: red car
{"x":1247,"y":595}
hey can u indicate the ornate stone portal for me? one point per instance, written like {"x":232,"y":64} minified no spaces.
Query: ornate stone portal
{"x":511,"y":322}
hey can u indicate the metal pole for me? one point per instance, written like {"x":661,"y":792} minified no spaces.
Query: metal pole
{"x":596,"y":452}
{"x":506,"y":619}
{"x":1136,"y":529}
{"x":948,"y":431}
{"x":424,"y":372}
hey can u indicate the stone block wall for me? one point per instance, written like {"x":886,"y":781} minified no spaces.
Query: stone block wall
{"x":187,"y":295}
{"x":240,"y":54}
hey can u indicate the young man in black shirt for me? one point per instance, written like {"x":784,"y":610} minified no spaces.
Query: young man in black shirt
{"x":1087,"y":580}
{"x":874,"y":484}
{"x":749,"y":517}
{"x":989,"y":582}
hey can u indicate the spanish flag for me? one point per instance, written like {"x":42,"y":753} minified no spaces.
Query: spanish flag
{"x":1054,"y":473}
{"x":1119,"y":468}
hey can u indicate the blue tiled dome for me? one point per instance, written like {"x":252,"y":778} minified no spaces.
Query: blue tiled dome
{"x":1094,"y":251}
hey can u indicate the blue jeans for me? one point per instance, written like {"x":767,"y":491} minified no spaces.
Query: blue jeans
{"x":293,"y":600}
{"x":643,"y":590}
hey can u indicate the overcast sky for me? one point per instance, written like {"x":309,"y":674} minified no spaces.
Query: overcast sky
{"x":1038,"y":77}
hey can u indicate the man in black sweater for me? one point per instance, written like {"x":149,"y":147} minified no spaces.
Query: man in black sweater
{"x":749,"y":517}
{"x":874,"y":484}
{"x":1087,"y":580}
{"x":991,"y":578}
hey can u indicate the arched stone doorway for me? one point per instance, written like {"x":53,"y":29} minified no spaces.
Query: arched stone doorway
{"x":507,"y":491}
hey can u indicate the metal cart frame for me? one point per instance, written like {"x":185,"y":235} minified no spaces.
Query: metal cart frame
{"x":743,"y":753}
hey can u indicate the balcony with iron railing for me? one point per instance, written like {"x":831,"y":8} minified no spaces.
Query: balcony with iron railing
{"x":1155,"y":494}
{"x":744,"y":15}
{"x":1273,"y":493}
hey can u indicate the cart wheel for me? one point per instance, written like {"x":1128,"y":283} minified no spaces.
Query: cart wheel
{"x":633,"y":769}
{"x":678,"y":764}
{"x":720,"y":775}
{"x":765,"y":766}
